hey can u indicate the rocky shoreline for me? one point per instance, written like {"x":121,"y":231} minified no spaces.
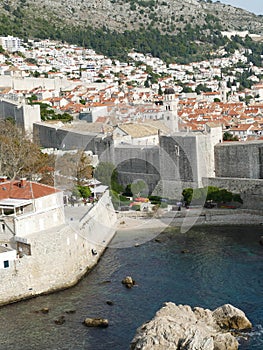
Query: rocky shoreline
{"x":180,"y":327}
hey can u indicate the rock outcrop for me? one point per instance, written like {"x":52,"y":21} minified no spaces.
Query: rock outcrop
{"x":96,"y":322}
{"x":128,"y":282}
{"x":179,"y":327}
{"x":60,"y":320}
{"x":133,"y":15}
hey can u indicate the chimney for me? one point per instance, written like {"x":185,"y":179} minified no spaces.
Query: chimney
{"x":22,"y":182}
{"x":3,"y":179}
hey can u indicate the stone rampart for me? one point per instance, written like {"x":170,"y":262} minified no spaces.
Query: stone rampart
{"x":172,"y":189}
{"x":60,"y":256}
{"x":138,"y":163}
{"x":250,"y":190}
{"x":55,"y":136}
{"x":24,"y":115}
{"x":30,"y":83}
{"x":239,"y":159}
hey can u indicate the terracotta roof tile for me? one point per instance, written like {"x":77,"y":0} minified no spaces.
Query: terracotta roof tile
{"x":29,"y":190}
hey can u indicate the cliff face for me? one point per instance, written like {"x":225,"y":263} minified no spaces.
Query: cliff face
{"x":179,"y":327}
{"x":168,"y":16}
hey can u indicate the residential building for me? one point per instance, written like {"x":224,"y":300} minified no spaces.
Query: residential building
{"x":10,"y":43}
{"x":27,"y":207}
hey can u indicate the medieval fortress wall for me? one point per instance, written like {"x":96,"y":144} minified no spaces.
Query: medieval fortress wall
{"x":250,"y":190}
{"x":181,"y":160}
{"x":23,"y":114}
{"x":239,"y":159}
{"x":62,"y":255}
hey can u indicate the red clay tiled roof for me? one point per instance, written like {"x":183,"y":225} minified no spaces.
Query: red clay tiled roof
{"x":31,"y":190}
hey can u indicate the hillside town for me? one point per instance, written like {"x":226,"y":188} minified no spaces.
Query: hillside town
{"x":128,"y":148}
{"x":112,"y":95}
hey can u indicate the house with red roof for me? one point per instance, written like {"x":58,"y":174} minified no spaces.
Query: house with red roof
{"x":28,"y":207}
{"x":242,"y":131}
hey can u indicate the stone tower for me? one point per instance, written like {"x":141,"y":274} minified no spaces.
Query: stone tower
{"x":223,"y":91}
{"x":170,"y":104}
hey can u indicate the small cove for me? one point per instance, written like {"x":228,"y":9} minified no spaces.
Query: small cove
{"x":220,"y":265}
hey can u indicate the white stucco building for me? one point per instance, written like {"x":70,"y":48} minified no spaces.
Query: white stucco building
{"x":7,"y":256}
{"x":10,"y":43}
{"x":25,"y":208}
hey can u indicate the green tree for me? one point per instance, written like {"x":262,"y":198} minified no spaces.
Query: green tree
{"x":139,"y":188}
{"x":107,"y":174}
{"x":211,"y":193}
{"x":229,"y":137}
{"x":31,"y":60}
{"x":84,"y":191}
{"x":147,"y":83}
{"x":187,"y":89}
{"x":128,"y":192}
{"x":187,"y":195}
{"x":36,"y":74}
{"x":32,"y":99}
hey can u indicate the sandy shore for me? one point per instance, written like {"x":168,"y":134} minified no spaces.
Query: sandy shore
{"x":199,"y":216}
{"x":134,"y":229}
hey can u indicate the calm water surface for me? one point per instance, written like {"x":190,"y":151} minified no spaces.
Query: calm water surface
{"x":223,"y":265}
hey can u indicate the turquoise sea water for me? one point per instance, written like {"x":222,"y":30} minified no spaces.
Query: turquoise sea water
{"x":222,"y":265}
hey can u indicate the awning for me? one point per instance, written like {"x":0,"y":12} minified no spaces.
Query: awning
{"x":99,"y":189}
{"x":14,"y":203}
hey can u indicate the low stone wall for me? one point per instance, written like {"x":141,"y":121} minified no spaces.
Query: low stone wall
{"x":250,"y":190}
{"x":172,"y":189}
{"x":61,"y":256}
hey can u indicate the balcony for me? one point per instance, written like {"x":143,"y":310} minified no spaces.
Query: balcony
{"x":15,"y":207}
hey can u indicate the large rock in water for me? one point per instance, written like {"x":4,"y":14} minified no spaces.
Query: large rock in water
{"x":179,"y":327}
{"x":96,"y":322}
{"x":128,"y":282}
{"x":229,"y":317}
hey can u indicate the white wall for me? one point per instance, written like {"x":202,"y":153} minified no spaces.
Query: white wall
{"x":49,"y":213}
{"x":9,"y":256}
{"x":31,"y":115}
{"x":60,"y":257}
{"x":31,"y":83}
{"x":213,"y":137}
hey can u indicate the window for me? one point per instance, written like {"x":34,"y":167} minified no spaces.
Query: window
{"x":177,"y":150}
{"x":6,"y":264}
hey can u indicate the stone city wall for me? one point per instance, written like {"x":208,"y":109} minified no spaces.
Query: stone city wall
{"x":239,"y":159}
{"x":27,"y":83}
{"x":250,"y":190}
{"x":137,"y":163}
{"x":60,"y":256}
{"x":53,"y":136}
{"x":24,"y":115}
{"x":172,"y":189}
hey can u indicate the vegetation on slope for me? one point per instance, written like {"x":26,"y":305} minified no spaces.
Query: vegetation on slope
{"x":180,"y":38}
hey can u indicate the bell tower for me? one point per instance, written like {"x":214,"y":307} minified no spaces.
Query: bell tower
{"x":170,"y":104}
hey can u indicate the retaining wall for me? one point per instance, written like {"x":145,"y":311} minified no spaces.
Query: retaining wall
{"x":61,"y":256}
{"x":250,"y":190}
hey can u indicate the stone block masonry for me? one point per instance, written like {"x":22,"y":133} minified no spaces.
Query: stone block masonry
{"x":239,"y":159}
{"x":250,"y":190}
{"x":60,"y":256}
